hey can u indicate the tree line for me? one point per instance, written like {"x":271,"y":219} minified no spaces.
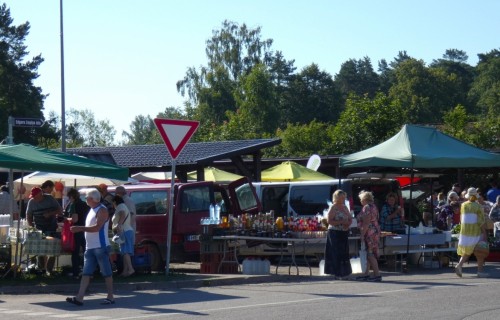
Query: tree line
{"x":247,"y":90}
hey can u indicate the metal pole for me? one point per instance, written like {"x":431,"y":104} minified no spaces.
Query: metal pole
{"x":63,"y":106}
{"x":170,"y":218}
{"x":410,"y":212}
{"x":10,"y":138}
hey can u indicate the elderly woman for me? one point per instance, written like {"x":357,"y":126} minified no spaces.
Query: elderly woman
{"x":472,"y":230}
{"x":337,"y":260}
{"x":392,"y":214}
{"x":370,"y":233}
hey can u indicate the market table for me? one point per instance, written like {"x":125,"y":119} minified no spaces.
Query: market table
{"x":237,"y":241}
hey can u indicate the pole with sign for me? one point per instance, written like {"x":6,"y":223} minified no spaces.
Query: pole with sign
{"x":175,"y":134}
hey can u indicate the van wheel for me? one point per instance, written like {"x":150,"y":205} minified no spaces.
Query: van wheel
{"x":156,"y":260}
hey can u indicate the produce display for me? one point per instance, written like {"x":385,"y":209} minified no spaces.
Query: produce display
{"x":266,"y":225}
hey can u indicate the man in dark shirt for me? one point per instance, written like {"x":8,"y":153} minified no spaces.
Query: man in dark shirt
{"x":41,"y":212}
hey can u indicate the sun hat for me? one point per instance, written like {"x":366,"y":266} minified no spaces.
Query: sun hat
{"x":471,"y":192}
{"x":35,"y":191}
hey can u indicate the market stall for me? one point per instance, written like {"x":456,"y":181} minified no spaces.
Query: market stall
{"x":418,"y":147}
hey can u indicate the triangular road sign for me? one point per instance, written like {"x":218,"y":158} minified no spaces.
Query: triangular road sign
{"x":176,"y":133}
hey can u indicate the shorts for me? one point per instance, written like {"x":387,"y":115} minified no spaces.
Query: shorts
{"x":128,"y":246}
{"x":94,"y":257}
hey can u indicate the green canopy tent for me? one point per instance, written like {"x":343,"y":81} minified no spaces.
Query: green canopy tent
{"x":418,"y":147}
{"x":421,"y":147}
{"x":24,"y":157}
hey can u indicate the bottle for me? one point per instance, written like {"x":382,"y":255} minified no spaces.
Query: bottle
{"x":217,"y":213}
{"x":211,"y":209}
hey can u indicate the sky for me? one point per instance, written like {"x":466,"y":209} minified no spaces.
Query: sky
{"x":122,"y":58}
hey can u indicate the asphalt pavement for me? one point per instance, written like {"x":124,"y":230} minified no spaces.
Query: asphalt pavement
{"x":188,"y":276}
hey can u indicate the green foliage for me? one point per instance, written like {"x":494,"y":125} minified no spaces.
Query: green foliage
{"x":19,"y":97}
{"x":86,"y":131}
{"x":310,"y":95}
{"x":455,"y":123}
{"x":364,"y":123}
{"x":357,"y":76}
{"x":486,"y":87}
{"x":302,"y":140}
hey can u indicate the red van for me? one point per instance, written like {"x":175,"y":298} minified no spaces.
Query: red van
{"x":191,"y":204}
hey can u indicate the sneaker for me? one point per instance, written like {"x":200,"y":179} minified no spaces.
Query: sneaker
{"x":375,"y":279}
{"x":458,"y":271}
{"x":362,"y":278}
{"x":483,"y":275}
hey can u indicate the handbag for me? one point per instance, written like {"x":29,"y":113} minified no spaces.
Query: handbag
{"x":67,"y":238}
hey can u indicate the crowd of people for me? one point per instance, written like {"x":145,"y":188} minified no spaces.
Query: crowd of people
{"x":89,"y":220}
{"x":469,"y":208}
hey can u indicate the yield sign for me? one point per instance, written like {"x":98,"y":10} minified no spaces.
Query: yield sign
{"x":176,"y":133}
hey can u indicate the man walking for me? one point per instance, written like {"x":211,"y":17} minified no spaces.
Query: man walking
{"x":97,"y":248}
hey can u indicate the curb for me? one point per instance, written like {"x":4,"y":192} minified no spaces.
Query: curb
{"x":197,"y":281}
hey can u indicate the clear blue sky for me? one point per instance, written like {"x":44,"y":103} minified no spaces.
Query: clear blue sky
{"x":124,"y":57}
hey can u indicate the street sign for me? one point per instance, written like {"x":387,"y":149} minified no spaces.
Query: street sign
{"x":28,"y":122}
{"x":176,"y":133}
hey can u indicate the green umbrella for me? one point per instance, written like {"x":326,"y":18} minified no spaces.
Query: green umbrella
{"x":292,"y":171}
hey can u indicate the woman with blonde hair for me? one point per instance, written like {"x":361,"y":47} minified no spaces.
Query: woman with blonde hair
{"x":370,"y":233}
{"x":337,"y":261}
{"x":472,"y":231}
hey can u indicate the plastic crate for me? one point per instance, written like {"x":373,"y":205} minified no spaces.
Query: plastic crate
{"x":210,"y":257}
{"x":141,"y":258}
{"x":209,"y":268}
{"x":211,"y":247}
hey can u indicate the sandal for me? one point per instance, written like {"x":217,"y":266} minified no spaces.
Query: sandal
{"x":74,"y":301}
{"x":107,"y":301}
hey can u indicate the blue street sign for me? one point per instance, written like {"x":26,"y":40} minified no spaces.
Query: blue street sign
{"x":28,"y":122}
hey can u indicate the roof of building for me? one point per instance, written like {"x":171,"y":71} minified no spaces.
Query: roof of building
{"x":157,"y":155}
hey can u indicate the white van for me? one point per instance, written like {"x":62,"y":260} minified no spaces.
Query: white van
{"x":304,"y":198}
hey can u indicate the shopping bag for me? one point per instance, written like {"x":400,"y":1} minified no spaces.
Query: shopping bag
{"x":363,"y":257}
{"x":67,"y":238}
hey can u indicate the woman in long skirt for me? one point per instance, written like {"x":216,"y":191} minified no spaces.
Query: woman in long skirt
{"x":337,"y":261}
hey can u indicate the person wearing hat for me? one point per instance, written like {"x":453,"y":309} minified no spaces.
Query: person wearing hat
{"x":41,"y":213}
{"x":472,"y":231}
{"x":106,"y":198}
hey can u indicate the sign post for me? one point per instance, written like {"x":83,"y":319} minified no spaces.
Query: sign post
{"x":175,"y":134}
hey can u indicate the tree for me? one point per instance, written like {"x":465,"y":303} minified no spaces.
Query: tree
{"x":86,"y":131}
{"x":454,"y":65}
{"x":364,"y":123}
{"x":485,"y":90}
{"x":455,"y":123}
{"x":142,"y":131}
{"x":19,"y":97}
{"x":232,"y":52}
{"x":256,"y":101}
{"x":310,"y":95}
{"x":302,"y":140}
{"x":357,"y":76}
{"x":424,"y":93}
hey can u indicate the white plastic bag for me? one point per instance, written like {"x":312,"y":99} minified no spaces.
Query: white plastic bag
{"x":363,"y":257}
